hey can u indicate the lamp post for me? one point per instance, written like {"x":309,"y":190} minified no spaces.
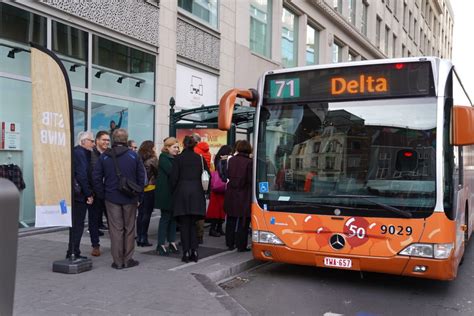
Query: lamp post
{"x":172,"y":104}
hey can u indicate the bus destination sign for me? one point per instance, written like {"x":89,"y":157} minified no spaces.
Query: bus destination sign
{"x":410,"y":79}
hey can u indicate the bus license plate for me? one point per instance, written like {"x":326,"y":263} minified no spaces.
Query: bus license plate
{"x":337,"y":262}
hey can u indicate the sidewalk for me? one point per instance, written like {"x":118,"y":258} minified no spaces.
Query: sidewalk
{"x":158,"y":286}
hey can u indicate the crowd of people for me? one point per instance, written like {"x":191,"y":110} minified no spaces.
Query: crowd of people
{"x":115,"y":178}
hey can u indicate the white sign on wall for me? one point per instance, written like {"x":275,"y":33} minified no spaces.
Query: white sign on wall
{"x":194,"y":88}
{"x":10,"y":135}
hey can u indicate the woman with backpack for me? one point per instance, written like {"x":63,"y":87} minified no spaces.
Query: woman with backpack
{"x":215,"y":210}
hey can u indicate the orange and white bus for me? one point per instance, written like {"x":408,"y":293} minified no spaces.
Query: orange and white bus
{"x":364,"y":166}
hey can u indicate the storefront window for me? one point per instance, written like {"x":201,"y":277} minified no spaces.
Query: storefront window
{"x":122,"y":70}
{"x":135,"y":117}
{"x":205,"y":10}
{"x":17,"y":29}
{"x":15,"y":108}
{"x":70,"y":44}
{"x":79,"y":105}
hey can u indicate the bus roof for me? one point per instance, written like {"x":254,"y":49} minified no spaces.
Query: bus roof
{"x":434,"y":61}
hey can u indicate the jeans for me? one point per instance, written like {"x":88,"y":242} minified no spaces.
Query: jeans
{"x":144,"y":214}
{"x":93,"y":217}
{"x":166,"y":227}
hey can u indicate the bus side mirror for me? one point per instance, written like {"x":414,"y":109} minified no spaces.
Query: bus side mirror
{"x":463,"y":125}
{"x":227,"y":103}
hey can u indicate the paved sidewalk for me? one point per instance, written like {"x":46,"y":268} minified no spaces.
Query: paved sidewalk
{"x":158,"y":286}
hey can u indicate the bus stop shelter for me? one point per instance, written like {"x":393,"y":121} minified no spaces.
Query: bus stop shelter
{"x":205,"y":117}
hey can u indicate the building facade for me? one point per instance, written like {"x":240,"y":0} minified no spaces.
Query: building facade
{"x":127,"y":58}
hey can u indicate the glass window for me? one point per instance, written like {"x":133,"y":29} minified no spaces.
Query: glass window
{"x":378,"y":25}
{"x":321,"y":152}
{"x":17,"y":28}
{"x":109,"y":113}
{"x":289,"y":39}
{"x":15,"y":107}
{"x":365,"y":9}
{"x":394,"y":45}
{"x":122,"y":70}
{"x":205,"y":10}
{"x":70,"y":44}
{"x":387,"y":32}
{"x":79,"y":106}
{"x":352,"y":11}
{"x":352,"y":56}
{"x":338,"y":5}
{"x":336,"y":53}
{"x":260,"y":27}
{"x":312,"y":45}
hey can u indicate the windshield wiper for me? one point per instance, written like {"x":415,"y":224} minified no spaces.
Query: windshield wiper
{"x":383,"y":205}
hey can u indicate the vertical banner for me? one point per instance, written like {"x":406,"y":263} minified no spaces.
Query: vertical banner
{"x":52,"y":141}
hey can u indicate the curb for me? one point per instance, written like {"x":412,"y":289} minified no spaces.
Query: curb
{"x":227,"y":301}
{"x":233,"y":270}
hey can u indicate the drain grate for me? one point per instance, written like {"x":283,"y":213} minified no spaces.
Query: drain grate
{"x":233,"y":283}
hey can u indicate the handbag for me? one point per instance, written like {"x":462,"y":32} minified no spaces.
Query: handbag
{"x":217,"y":185}
{"x":126,"y":186}
{"x":204,"y":176}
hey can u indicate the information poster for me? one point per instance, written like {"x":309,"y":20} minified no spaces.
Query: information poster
{"x":10,"y":135}
{"x":213,"y":136}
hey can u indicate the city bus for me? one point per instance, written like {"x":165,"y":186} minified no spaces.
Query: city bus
{"x":364,"y":166}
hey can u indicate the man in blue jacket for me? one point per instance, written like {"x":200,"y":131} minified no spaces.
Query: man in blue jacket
{"x":121,"y":208}
{"x":83,"y":195}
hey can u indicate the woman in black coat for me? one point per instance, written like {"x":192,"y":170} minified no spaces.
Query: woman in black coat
{"x":189,"y":202}
{"x":238,"y":197}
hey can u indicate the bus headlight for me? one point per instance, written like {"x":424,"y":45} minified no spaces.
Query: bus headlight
{"x":264,"y":237}
{"x":436,"y":251}
{"x":442,"y":251}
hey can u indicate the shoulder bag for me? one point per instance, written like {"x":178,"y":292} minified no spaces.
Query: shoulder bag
{"x":126,"y":186}
{"x":204,"y":176}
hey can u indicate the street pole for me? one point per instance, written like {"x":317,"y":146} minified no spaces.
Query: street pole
{"x":172,"y":103}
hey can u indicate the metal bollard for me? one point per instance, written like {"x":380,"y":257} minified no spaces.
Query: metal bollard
{"x":9,"y":211}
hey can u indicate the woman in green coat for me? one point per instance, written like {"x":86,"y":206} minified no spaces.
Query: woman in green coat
{"x":163,"y":201}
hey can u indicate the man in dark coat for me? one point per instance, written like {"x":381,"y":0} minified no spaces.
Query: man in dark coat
{"x":83,"y":195}
{"x":238,"y":197}
{"x":95,"y":213}
{"x":121,"y":209}
{"x":189,"y":202}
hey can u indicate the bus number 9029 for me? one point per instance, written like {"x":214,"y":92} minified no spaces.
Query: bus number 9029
{"x":396,"y":230}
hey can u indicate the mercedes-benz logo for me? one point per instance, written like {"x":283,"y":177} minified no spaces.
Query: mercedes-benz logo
{"x":337,"y":241}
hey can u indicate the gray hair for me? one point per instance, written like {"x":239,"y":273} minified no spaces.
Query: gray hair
{"x":82,"y":136}
{"x":120,"y":135}
{"x":197,"y":137}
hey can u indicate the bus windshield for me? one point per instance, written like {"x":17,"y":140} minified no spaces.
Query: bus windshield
{"x":359,"y":158}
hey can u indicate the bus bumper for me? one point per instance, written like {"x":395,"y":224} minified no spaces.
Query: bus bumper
{"x":398,"y":265}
